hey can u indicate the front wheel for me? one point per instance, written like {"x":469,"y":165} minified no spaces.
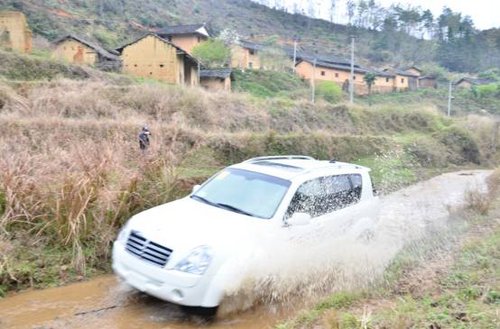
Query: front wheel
{"x":207,"y":313}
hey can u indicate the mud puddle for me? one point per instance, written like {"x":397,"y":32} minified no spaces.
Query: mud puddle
{"x":360,"y":256}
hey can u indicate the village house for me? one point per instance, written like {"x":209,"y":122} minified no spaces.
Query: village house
{"x":15,"y":33}
{"x":339,"y":73}
{"x":468,"y":83}
{"x":153,"y":57}
{"x":403,"y":80}
{"x":216,"y":79}
{"x":76,"y":50}
{"x":245,"y":55}
{"x":185,"y":37}
{"x":427,"y":81}
{"x":413,"y":70}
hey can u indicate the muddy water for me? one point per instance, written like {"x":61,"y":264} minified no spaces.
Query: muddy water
{"x":361,"y":252}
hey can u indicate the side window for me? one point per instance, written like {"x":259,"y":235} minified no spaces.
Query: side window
{"x":357,"y":185}
{"x":326,"y":194}
{"x":305,"y":199}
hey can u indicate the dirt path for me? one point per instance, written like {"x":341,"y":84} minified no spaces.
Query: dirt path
{"x":106,"y":303}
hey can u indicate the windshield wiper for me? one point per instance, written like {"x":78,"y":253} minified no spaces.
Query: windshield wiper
{"x":222,"y":205}
{"x":233,"y":208}
{"x":197,"y":197}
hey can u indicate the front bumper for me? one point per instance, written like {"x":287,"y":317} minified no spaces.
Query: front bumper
{"x":166,"y":284}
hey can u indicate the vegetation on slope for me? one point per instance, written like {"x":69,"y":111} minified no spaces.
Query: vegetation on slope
{"x":113,"y":22}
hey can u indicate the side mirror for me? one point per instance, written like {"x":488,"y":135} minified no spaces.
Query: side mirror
{"x":299,"y":218}
{"x":195,"y":188}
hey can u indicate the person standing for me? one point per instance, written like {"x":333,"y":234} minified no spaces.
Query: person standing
{"x":144,"y":138}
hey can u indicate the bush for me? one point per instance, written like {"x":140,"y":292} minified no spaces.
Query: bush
{"x":484,"y":91}
{"x":460,"y":145}
{"x":329,"y":91}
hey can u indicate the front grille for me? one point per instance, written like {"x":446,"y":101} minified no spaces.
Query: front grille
{"x":147,"y":250}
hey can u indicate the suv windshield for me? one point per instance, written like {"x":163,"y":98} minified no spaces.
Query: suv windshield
{"x":246,"y":192}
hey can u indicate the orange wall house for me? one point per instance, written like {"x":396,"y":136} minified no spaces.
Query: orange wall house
{"x":185,"y":37}
{"x":339,"y":74}
{"x":216,"y":79}
{"x":79,"y":51}
{"x":384,"y":83}
{"x":245,"y":55}
{"x":154,"y":57}
{"x":404,"y":80}
{"x":15,"y":33}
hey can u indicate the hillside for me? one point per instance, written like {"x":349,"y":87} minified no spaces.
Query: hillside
{"x":113,"y":22}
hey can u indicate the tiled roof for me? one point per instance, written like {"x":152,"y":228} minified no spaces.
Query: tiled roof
{"x":216,"y":73}
{"x":181,"y":29}
{"x":401,"y":72}
{"x":476,"y":81}
{"x":179,"y":50}
{"x":101,"y":51}
{"x":250,"y":45}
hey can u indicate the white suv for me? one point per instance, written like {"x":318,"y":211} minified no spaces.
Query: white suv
{"x":185,"y":251}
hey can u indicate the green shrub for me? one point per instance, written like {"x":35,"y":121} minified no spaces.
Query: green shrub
{"x":329,"y":91}
{"x":460,"y":145}
{"x":485,"y":91}
{"x":427,"y":152}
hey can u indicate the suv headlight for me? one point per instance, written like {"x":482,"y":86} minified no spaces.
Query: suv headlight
{"x":197,"y":261}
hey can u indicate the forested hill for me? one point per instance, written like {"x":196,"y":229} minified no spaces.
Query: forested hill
{"x":457,"y":46}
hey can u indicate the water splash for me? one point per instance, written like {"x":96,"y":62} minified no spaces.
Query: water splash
{"x":354,"y":255}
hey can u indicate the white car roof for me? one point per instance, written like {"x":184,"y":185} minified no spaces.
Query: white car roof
{"x":290,"y":166}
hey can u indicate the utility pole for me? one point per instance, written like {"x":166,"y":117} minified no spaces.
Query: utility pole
{"x":294,"y":52}
{"x":351,"y":79}
{"x":449,"y":98}
{"x":313,"y":82}
{"x":199,"y":67}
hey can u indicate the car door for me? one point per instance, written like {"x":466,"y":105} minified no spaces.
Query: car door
{"x":331,"y":201}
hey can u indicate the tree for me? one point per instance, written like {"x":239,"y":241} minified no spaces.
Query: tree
{"x":333,"y":10}
{"x":369,"y":79}
{"x":212,"y":53}
{"x":351,"y":9}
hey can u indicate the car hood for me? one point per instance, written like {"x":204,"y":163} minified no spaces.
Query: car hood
{"x":188,"y":223}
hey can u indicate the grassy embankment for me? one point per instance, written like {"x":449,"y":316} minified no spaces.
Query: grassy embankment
{"x":71,"y":172}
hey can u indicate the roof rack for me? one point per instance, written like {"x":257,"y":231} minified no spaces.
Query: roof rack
{"x":281,"y":157}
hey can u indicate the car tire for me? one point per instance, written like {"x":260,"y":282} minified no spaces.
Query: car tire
{"x":207,"y":313}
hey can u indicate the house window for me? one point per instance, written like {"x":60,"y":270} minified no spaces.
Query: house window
{"x":354,"y":77}
{"x":251,"y":51}
{"x":161,"y":65}
{"x":322,"y":72}
{"x":199,"y":39}
{"x":386,"y":79}
{"x":135,"y":65}
{"x":336,"y":75}
{"x":402,"y":80}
